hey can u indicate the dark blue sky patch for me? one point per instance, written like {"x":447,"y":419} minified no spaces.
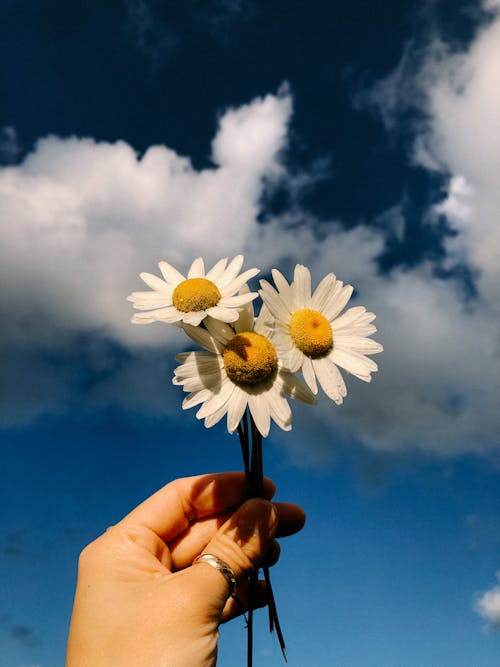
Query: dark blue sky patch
{"x":130,"y":70}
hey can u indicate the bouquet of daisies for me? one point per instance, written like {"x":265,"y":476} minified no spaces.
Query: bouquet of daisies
{"x":247,"y":367}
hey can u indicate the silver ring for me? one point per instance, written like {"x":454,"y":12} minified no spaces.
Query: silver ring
{"x":221,"y":566}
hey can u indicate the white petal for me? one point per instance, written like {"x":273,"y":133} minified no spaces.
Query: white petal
{"x":302,"y":286}
{"x":349,"y":317}
{"x":216,"y":416}
{"x":170,"y":315}
{"x":208,"y":374}
{"x":167,"y":315}
{"x":294,"y":359}
{"x":217,"y":400}
{"x":260,"y":412}
{"x":153,"y":304}
{"x":152,"y":309}
{"x":155,"y":283}
{"x":330,"y":379}
{"x":245,"y":321}
{"x":223,"y":314}
{"x":197,"y":369}
{"x":337,"y":304}
{"x":359,"y":344}
{"x":238,"y":300}
{"x":309,"y":375}
{"x":171,"y":275}
{"x":265,"y":322}
{"x":282,"y":340}
{"x":195,"y":398}
{"x":194,"y":317}
{"x":294,"y":388}
{"x":356,"y":364}
{"x":234,"y":285}
{"x":217,"y":270}
{"x":231,"y":272}
{"x":322,"y":292}
{"x":149,"y":300}
{"x":197,"y":364}
{"x":282,"y":285}
{"x":363,"y":330}
{"x":277,"y":307}
{"x":236,"y":409}
{"x":203,"y":338}
{"x":142,"y":318}
{"x":356,"y":324}
{"x":198,"y":357}
{"x":197,"y":269}
{"x":280,"y":410}
{"x":219,"y":330}
{"x":197,"y":383}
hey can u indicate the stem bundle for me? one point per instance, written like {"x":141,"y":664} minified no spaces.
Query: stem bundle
{"x":251,"y":450}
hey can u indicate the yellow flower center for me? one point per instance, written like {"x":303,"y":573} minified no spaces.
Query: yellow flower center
{"x":195,"y":294}
{"x":311,"y":332}
{"x":250,"y":358}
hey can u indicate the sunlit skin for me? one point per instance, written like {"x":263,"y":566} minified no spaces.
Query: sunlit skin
{"x":140,"y":603}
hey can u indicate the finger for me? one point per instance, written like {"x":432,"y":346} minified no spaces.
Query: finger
{"x":195,"y":538}
{"x":170,"y":510}
{"x":241,"y":543}
{"x":272,"y":555}
{"x":291,"y":519}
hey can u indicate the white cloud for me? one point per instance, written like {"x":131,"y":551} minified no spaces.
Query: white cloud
{"x":81,"y":219}
{"x":464,"y":134}
{"x":459,"y":136}
{"x":488,"y":606}
{"x":448,"y":377}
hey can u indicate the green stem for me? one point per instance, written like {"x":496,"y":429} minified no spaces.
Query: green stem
{"x":254,"y":474}
{"x":245,"y":450}
{"x":257,"y":471}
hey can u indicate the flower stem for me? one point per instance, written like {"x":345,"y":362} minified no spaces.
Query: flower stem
{"x":254,"y":474}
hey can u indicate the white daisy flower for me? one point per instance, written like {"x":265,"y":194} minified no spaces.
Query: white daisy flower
{"x":238,"y":367}
{"x":191,"y":299}
{"x":312,"y":335}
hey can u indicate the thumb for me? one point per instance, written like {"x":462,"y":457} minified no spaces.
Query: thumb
{"x":242,"y":543}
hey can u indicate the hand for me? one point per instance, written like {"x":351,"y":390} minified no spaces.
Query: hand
{"x":139,"y":600}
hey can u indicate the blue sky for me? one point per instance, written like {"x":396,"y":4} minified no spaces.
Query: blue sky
{"x":358,"y":139}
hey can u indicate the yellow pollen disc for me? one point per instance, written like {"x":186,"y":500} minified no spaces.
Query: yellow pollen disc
{"x":250,"y":358}
{"x":195,"y":294}
{"x":311,"y":332}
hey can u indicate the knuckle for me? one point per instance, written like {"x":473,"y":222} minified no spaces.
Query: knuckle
{"x":240,"y":558}
{"x":87,"y":557}
{"x":94,"y":551}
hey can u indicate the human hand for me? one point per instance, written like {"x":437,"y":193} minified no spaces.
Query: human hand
{"x":139,"y":600}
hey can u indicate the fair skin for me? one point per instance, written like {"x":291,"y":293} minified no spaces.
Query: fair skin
{"x":139,"y":600}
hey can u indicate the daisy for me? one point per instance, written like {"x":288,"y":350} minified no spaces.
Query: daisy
{"x":191,"y":299}
{"x":312,"y":335}
{"x":238,"y":367}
